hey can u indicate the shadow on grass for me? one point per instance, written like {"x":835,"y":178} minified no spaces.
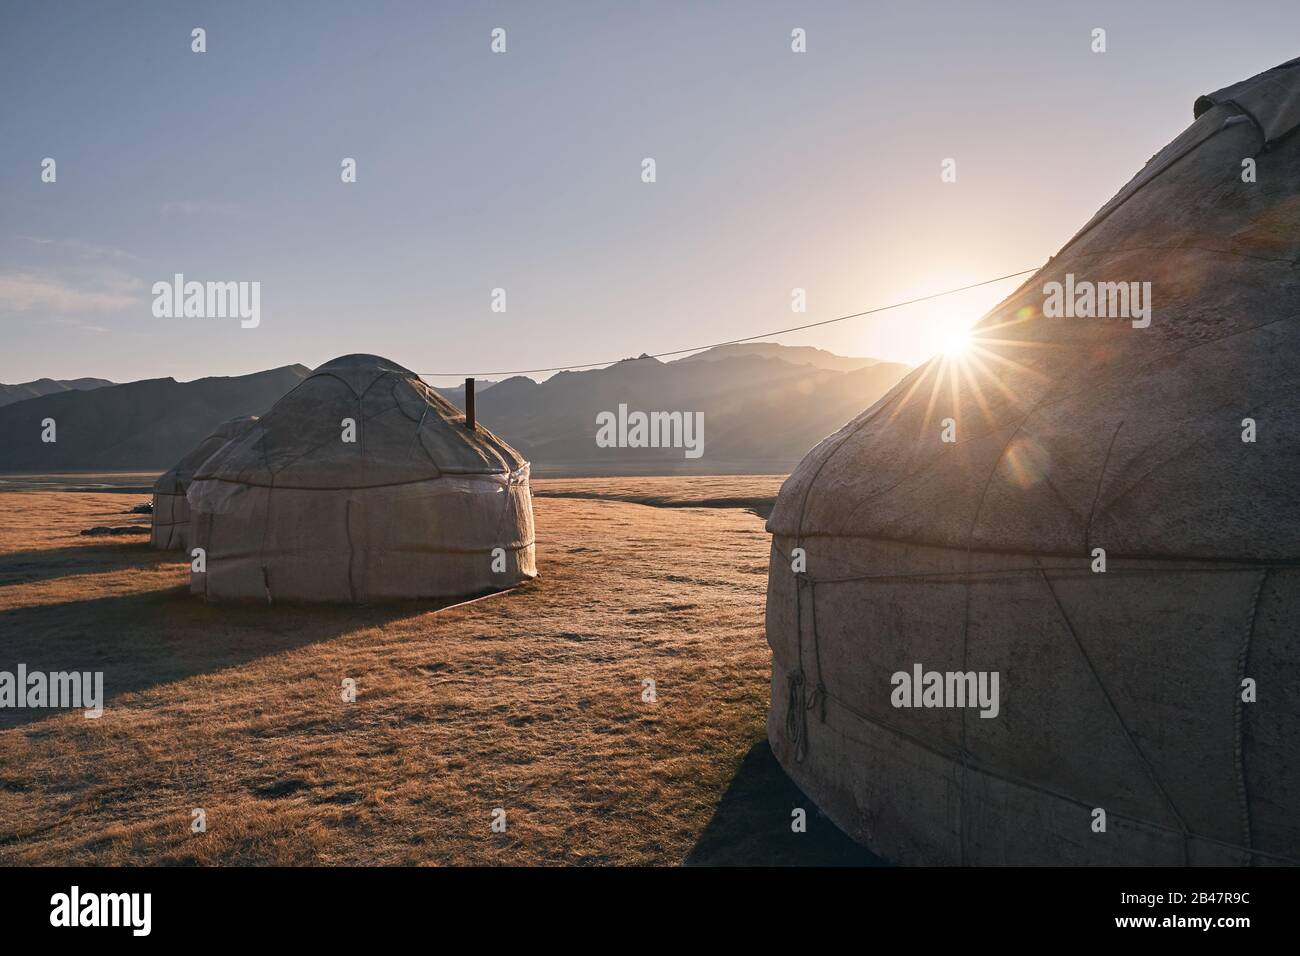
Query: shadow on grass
{"x":145,"y":639}
{"x":758,"y":505}
{"x":22,"y":567}
{"x":751,"y":825}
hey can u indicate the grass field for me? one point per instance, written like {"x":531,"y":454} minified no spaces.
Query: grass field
{"x":529,"y":701}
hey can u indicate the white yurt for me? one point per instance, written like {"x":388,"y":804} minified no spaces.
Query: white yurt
{"x":1099,"y":511}
{"x":171,"y":511}
{"x":362,"y":484}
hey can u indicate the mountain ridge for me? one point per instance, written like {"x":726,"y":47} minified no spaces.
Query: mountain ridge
{"x":47,"y":386}
{"x":763,"y":408}
{"x":135,"y":426}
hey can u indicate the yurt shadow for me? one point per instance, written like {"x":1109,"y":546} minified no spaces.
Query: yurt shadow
{"x":47,"y":564}
{"x":147,"y":639}
{"x":752,"y":824}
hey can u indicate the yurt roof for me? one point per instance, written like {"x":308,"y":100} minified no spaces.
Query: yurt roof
{"x":175,"y":478}
{"x":404,"y":430}
{"x":1073,"y":433}
{"x":1271,"y":99}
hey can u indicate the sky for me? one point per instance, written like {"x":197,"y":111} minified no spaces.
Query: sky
{"x":522,"y":170}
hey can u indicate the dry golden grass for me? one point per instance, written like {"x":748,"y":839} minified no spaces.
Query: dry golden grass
{"x":754,"y":493}
{"x":529,"y":701}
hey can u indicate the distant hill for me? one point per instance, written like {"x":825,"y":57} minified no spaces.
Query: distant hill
{"x":137,"y":426}
{"x":47,"y":386}
{"x":762,"y":412}
{"x":457,"y":395}
{"x":794,"y":354}
{"x":764,"y":407}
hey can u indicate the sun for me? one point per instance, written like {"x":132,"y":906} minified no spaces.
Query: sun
{"x":955,"y":342}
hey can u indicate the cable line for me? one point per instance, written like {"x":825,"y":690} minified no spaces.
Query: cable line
{"x":747,"y":338}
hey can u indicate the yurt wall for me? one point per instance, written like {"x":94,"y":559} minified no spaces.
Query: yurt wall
{"x":1098,"y":509}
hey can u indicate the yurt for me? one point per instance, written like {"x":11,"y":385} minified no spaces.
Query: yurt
{"x":1038,"y":604}
{"x":171,"y":512}
{"x":362,"y":484}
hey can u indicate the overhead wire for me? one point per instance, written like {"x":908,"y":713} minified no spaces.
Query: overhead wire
{"x":747,"y":338}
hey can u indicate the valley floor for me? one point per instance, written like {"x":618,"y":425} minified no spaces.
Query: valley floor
{"x":529,"y":701}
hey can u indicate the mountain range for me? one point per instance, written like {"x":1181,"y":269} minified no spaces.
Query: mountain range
{"x":140,"y":426}
{"x":764,"y":406}
{"x":47,"y":386}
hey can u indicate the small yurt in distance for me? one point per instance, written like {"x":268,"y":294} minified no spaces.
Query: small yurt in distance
{"x":1099,"y":512}
{"x":171,"y":511}
{"x":362,"y":484}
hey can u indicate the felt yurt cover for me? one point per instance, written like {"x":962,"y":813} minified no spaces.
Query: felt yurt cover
{"x":362,"y":484}
{"x":1148,"y":712}
{"x":171,"y":511}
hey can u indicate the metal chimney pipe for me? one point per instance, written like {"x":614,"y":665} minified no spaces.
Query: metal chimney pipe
{"x":469,"y":404}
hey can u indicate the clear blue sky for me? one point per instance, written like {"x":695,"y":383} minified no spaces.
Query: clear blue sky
{"x":522,"y":170}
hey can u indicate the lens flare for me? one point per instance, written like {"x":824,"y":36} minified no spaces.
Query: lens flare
{"x":956,"y":342}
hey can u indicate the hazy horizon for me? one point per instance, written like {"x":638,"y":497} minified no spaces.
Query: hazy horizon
{"x":482,"y":382}
{"x":522,"y":171}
